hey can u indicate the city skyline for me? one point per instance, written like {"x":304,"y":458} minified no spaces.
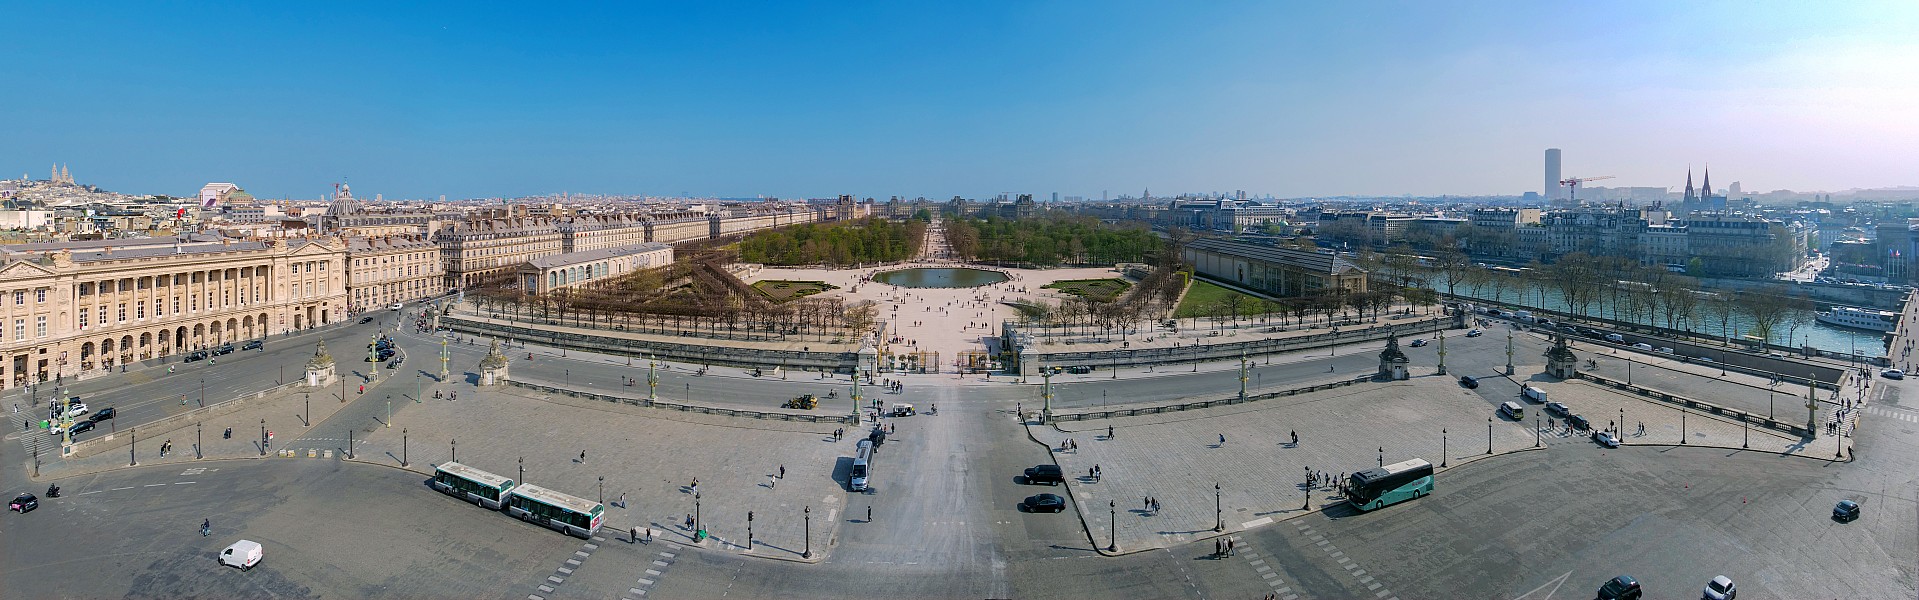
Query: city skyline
{"x":800,"y":101}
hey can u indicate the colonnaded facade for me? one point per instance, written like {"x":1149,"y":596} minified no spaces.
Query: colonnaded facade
{"x":73,"y":309}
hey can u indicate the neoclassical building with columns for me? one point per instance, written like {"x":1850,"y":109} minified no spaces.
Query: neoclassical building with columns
{"x":74,"y":309}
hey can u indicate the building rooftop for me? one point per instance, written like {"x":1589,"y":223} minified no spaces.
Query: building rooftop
{"x":1311,"y":260}
{"x":574,"y":258}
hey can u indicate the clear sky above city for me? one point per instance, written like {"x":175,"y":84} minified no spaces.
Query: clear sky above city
{"x":942,"y":99}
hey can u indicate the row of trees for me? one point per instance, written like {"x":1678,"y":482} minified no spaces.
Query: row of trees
{"x":693,"y":296}
{"x":1054,"y":239}
{"x":1612,"y":288}
{"x":869,"y":240}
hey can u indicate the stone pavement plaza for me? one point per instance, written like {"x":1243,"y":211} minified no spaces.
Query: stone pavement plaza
{"x":650,"y":455}
{"x":1177,"y":458}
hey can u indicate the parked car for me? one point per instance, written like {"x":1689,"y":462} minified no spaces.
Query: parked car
{"x":104,"y":414}
{"x":1047,"y":474}
{"x":1558,"y":408}
{"x":1606,"y":439}
{"x":1417,"y":342}
{"x":1579,"y":422}
{"x":1720,"y":588}
{"x":1468,"y":381}
{"x":253,"y":345}
{"x":1846,"y":511}
{"x":1044,"y":503}
{"x":1893,"y":374}
{"x":1623,"y":587}
{"x":1475,"y":333}
{"x":196,"y":355}
{"x":24,"y":503}
{"x":243,"y":554}
{"x":223,"y":349}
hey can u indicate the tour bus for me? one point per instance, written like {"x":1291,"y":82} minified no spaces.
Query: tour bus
{"x":566,"y":514}
{"x":472,"y":485}
{"x":862,"y":466}
{"x":1398,"y":482}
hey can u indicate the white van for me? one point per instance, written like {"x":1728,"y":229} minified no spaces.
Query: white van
{"x":1642,"y":346}
{"x":243,"y":554}
{"x":1534,"y":394}
{"x":1513,"y":410}
{"x":1615,"y":338}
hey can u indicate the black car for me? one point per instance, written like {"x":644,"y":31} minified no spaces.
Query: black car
{"x":223,"y":349}
{"x":24,"y":503}
{"x":1623,"y":587}
{"x":1047,"y":474}
{"x":254,"y":345}
{"x":196,"y":355}
{"x":1469,"y":382}
{"x":1579,"y":422}
{"x":79,"y":427}
{"x":1845,"y":511}
{"x":104,"y":414}
{"x":1044,"y":503}
{"x":365,"y":320}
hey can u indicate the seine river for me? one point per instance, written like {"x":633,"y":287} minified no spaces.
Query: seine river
{"x":1811,"y":332}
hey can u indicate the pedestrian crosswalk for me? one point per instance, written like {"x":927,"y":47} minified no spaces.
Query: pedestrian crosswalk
{"x":1892,"y":413}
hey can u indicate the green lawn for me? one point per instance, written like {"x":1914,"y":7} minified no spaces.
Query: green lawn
{"x":1203,"y":297}
{"x":781,"y":290}
{"x":1101,"y":290}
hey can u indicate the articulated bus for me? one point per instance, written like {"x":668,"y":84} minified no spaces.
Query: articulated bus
{"x":862,"y":467}
{"x":1398,"y":482}
{"x":472,"y":485}
{"x":566,"y":514}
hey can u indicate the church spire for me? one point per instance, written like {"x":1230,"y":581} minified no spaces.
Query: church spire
{"x":1690,"y":196}
{"x":1705,"y":187}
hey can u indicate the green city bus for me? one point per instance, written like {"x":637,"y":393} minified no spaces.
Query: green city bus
{"x":563,"y":513}
{"x":472,"y":485}
{"x":1398,"y":482}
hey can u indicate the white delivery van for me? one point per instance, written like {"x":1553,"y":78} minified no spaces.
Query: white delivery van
{"x":243,"y":554}
{"x":1525,"y":316}
{"x":1534,"y":394}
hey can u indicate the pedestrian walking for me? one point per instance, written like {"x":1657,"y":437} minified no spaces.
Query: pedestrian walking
{"x":622,"y":500}
{"x":1109,"y":432}
{"x":1155,"y":506}
{"x":635,"y":533}
{"x":869,"y":513}
{"x":1230,"y":549}
{"x":1295,"y":438}
{"x":782,"y":471}
{"x":1222,"y":440}
{"x":771,"y":481}
{"x":583,"y":457}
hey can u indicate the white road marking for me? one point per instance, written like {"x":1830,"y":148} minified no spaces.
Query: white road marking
{"x":1256,"y":522}
{"x":184,"y":482}
{"x":118,"y":489}
{"x":92,"y":492}
{"x":1556,"y":582}
{"x":153,"y":485}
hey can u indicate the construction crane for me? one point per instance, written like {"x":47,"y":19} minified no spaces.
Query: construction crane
{"x":1572,"y":195}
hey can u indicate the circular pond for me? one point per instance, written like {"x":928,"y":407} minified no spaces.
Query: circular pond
{"x":940,"y":277}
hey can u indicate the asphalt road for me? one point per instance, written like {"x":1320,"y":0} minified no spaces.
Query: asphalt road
{"x":946,"y":523}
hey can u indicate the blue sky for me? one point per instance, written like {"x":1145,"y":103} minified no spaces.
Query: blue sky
{"x":943,"y":99}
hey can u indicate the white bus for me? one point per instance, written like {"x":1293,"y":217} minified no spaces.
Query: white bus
{"x":862,"y":467}
{"x":472,"y":485}
{"x":566,"y":514}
